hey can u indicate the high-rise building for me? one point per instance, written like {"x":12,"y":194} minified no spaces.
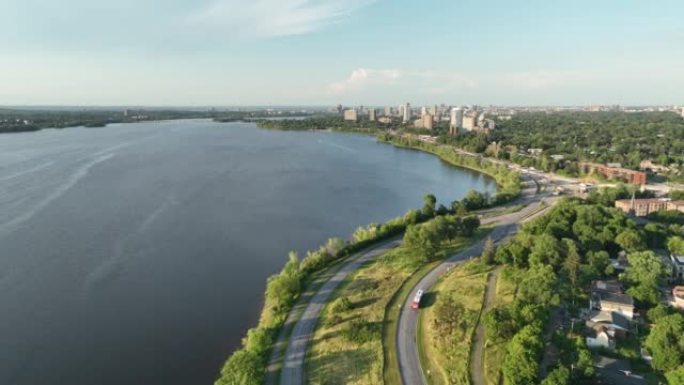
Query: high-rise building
{"x":423,"y":111}
{"x":470,"y":120}
{"x":371,"y":114}
{"x":351,"y":115}
{"x":428,"y":121}
{"x":456,"y":122}
{"x":406,"y":112}
{"x":388,"y":111}
{"x":433,"y":110}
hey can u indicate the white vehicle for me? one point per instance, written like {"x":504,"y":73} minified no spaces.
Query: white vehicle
{"x":416,"y":300}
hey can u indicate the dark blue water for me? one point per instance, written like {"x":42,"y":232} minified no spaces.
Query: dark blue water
{"x":138,"y":254}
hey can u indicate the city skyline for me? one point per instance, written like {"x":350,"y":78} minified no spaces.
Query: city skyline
{"x":370,"y":52}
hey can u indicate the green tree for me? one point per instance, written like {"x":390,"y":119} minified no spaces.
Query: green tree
{"x":242,"y":368}
{"x":429,"y":206}
{"x":599,"y":261}
{"x":666,"y":342}
{"x":538,"y":286}
{"x":676,"y":376}
{"x":558,"y":376}
{"x":520,"y":366}
{"x":657,"y":313}
{"x":422,"y":241}
{"x":584,"y":362}
{"x":676,"y":245}
{"x":545,"y":250}
{"x":630,"y":240}
{"x":470,"y":224}
{"x":474,"y":200}
{"x":489,"y":251}
{"x":571,"y":264}
{"x":644,"y":272}
{"x":258,"y":341}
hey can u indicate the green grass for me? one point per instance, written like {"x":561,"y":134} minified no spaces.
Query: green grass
{"x":449,"y":355}
{"x":311,"y":284}
{"x":335,"y":359}
{"x":391,"y":367}
{"x":494,"y":350}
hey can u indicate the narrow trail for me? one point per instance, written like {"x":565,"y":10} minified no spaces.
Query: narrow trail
{"x":304,"y":321}
{"x":477,"y":353}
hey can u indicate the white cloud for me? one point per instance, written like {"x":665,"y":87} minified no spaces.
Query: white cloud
{"x":543,"y":79}
{"x":269,"y":18}
{"x":421,"y":82}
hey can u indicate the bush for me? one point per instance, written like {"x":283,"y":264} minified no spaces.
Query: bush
{"x":242,"y":368}
{"x":360,"y":331}
{"x":340,"y":305}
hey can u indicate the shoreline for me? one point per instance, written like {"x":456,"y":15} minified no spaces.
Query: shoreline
{"x":261,"y":341}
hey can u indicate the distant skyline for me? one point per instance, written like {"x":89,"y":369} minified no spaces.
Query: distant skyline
{"x":324,"y":52}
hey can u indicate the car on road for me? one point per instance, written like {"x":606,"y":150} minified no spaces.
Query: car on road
{"x":416,"y":299}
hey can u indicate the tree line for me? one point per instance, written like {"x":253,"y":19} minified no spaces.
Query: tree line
{"x":424,"y":229}
{"x":553,"y":259}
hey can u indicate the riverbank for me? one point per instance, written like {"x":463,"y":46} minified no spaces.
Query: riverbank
{"x":285,"y":288}
{"x":507,"y":180}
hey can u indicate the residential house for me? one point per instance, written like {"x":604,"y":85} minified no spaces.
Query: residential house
{"x":611,"y":371}
{"x":599,"y":337}
{"x":616,"y":323}
{"x":678,"y":297}
{"x":608,"y":296}
{"x":677,"y":262}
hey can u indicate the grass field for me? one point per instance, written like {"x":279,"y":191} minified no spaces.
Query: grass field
{"x":347,"y":345}
{"x":494,"y":351}
{"x":338,"y":355}
{"x":448,"y":347}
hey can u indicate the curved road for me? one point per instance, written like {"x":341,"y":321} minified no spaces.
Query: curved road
{"x":293,"y":366}
{"x":407,"y":348}
{"x":293,"y":371}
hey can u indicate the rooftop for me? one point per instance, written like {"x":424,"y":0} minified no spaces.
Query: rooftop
{"x":609,"y":317}
{"x":679,"y":259}
{"x":618,"y":372}
{"x":617,"y":298}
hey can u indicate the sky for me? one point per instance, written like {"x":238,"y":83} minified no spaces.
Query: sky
{"x":325,"y":52}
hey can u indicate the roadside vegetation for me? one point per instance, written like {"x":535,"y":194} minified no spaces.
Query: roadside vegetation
{"x":426,"y":242}
{"x":505,"y":289}
{"x":448,"y":320}
{"x":549,"y":265}
{"x":348,"y":342}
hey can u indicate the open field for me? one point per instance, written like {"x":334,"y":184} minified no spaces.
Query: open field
{"x":447,"y":323}
{"x":338,"y":354}
{"x":347,"y":344}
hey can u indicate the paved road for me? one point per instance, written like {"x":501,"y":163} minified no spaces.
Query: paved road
{"x":407,"y":349}
{"x":293,"y":367}
{"x":477,"y":355}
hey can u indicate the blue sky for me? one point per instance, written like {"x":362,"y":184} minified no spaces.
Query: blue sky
{"x":372,"y":52}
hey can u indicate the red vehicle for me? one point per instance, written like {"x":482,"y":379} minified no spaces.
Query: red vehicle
{"x":416,"y":300}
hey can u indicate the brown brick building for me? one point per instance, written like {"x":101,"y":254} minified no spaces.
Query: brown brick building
{"x":643,"y":207}
{"x":629,"y":176}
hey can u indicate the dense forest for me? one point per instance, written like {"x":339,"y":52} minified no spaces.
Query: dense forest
{"x":553,"y":259}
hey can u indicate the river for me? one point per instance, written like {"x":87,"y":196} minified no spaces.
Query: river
{"x":138,"y":253}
